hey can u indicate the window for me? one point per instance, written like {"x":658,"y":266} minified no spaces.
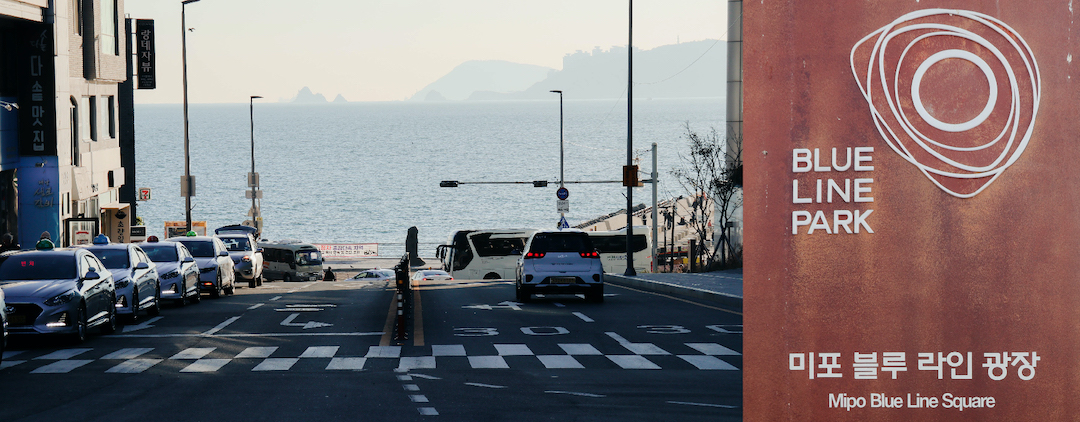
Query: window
{"x":109,"y":34}
{"x":93,"y":118}
{"x":112,"y":116}
{"x":78,"y":17}
{"x":75,"y":133}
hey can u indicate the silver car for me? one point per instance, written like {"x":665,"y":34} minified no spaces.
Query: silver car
{"x":178,"y":273}
{"x":215,"y":267}
{"x":3,"y":323}
{"x":375,"y":275}
{"x":247,"y":257}
{"x":57,"y":291}
{"x":135,"y":276}
{"x":560,"y":261}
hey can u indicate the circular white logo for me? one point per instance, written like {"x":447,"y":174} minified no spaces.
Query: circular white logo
{"x":953,"y":92}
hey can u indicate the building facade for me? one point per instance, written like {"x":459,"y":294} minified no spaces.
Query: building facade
{"x":60,"y":162}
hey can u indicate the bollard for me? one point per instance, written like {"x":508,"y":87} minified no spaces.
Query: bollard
{"x":404,"y":295}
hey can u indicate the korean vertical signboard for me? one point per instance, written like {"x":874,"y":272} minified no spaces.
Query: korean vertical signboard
{"x":145,"y":55}
{"x":37,"y":92}
{"x":912,"y":210}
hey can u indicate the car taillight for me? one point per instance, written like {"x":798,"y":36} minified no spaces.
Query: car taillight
{"x":592,"y":254}
{"x":532,"y":255}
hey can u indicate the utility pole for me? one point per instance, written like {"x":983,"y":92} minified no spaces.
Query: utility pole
{"x":630,"y":145}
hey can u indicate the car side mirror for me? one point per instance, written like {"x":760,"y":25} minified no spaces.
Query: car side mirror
{"x":260,"y":250}
{"x":92,"y":275}
{"x":142,"y":266}
{"x":188,"y":259}
{"x":223,"y":253}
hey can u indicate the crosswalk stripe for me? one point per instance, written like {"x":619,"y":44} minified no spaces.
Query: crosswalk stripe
{"x":63,"y":354}
{"x":276,"y":364}
{"x":513,"y":350}
{"x":448,"y":350}
{"x":713,"y":349}
{"x":131,"y":353}
{"x":580,"y":349}
{"x":11,"y":353}
{"x":133,"y":366}
{"x":320,"y":352}
{"x":256,"y":352}
{"x":644,"y":349}
{"x":632,"y":362}
{"x":9,"y":363}
{"x":384,"y":352}
{"x":420,"y":362}
{"x":193,"y":353}
{"x":560,"y":362}
{"x":346,"y":364}
{"x":206,"y":365}
{"x":60,"y":366}
{"x":488,"y":362}
{"x":708,"y":362}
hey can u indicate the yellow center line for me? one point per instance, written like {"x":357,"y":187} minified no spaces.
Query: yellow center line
{"x":418,"y":317}
{"x":388,"y":328}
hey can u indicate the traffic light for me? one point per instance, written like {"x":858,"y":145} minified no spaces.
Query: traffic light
{"x":448,"y":184}
{"x":630,"y":176}
{"x":540,"y":183}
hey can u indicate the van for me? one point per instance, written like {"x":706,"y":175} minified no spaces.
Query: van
{"x":292,"y":261}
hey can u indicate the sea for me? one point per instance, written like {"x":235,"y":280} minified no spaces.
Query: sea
{"x":367,"y":172}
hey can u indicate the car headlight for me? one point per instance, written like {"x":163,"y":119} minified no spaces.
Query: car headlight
{"x":62,"y":298}
{"x":122,"y":283}
{"x":171,"y":274}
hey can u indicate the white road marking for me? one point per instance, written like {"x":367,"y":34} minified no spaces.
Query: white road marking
{"x":576,"y":394}
{"x":9,"y":363}
{"x":514,"y":350}
{"x":287,"y":322}
{"x":488,"y":362}
{"x":346,"y":364}
{"x":142,"y":326}
{"x":12,"y":353}
{"x":427,"y":377}
{"x":632,"y":362}
{"x":256,"y":352}
{"x":722,"y":406}
{"x":384,"y":352}
{"x":580,"y":349}
{"x":638,"y":348}
{"x":221,"y":326}
{"x":193,"y":353}
{"x":404,"y":378}
{"x":206,"y":365}
{"x":372,"y":334}
{"x":558,"y":305}
{"x":63,"y":354}
{"x":560,"y":362}
{"x":583,"y":317}
{"x":447,"y":350}
{"x":60,"y":366}
{"x":418,"y":398}
{"x":713,"y":349}
{"x":127,"y":353}
{"x":421,"y":362}
{"x":428,"y":411}
{"x":320,"y":352}
{"x":708,"y":362}
{"x":275,"y":298}
{"x":276,"y":364}
{"x":255,"y":306}
{"x":411,"y":387}
{"x":476,"y":384}
{"x":133,"y":366}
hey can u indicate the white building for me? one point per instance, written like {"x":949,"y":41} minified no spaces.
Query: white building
{"x":61,"y":62}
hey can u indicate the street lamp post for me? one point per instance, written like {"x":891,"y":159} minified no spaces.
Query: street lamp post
{"x":253,"y":180}
{"x":561,"y":175}
{"x":630,"y":145}
{"x":187,"y":183}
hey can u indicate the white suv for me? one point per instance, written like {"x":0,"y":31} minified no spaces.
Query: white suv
{"x":560,"y":261}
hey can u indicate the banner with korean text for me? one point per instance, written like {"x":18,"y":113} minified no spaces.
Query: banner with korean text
{"x":912,"y":211}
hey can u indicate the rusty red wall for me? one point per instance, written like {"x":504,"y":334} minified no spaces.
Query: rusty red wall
{"x":975,"y":243}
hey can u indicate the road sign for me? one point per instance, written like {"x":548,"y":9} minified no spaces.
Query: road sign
{"x":258,"y":194}
{"x":562,"y":193}
{"x":562,"y":206}
{"x":144,"y":194}
{"x":253,"y":180}
{"x":563,"y":224}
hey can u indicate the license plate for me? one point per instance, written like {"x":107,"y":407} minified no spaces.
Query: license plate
{"x":563,"y":280}
{"x":313,"y":278}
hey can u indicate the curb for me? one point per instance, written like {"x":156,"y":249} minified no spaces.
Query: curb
{"x":675,"y":290}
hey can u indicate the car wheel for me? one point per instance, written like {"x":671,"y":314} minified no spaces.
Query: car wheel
{"x":215,"y":291}
{"x":183,"y":295}
{"x":156,"y":309}
{"x":134,"y":318}
{"x":79,"y":335}
{"x":260,"y":278}
{"x":232,"y":287}
{"x":523,"y":293}
{"x":254,"y":282}
{"x":110,"y":327}
{"x":596,"y":295}
{"x":286,"y":278}
{"x":491,"y":276}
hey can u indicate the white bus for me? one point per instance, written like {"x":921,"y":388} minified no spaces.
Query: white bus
{"x":483,"y":254}
{"x":612,"y":248}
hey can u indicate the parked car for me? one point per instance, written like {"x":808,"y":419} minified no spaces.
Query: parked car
{"x":375,"y":275}
{"x":3,"y":323}
{"x":134,"y":275}
{"x":432,"y":275}
{"x":292,"y":261}
{"x":246,"y":256}
{"x":57,"y":291}
{"x":215,"y":267}
{"x":560,"y":261}
{"x":177,"y":270}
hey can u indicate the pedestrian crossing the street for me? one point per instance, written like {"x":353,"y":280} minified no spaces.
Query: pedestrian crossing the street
{"x":631,"y":356}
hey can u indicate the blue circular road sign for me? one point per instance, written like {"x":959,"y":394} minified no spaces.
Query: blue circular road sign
{"x":562,"y":193}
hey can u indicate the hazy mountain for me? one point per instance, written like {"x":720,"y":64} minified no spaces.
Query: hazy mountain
{"x":491,"y":75}
{"x":305,"y":96}
{"x":685,"y":70}
{"x":340,"y":100}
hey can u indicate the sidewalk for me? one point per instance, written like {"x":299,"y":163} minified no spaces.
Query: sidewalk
{"x":723,"y":287}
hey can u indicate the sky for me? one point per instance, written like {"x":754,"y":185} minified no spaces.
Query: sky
{"x":387,"y":50}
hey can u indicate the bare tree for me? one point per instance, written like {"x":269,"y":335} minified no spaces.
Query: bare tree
{"x":713,"y":171}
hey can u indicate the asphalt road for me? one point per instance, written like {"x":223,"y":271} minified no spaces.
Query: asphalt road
{"x":323,"y":351}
